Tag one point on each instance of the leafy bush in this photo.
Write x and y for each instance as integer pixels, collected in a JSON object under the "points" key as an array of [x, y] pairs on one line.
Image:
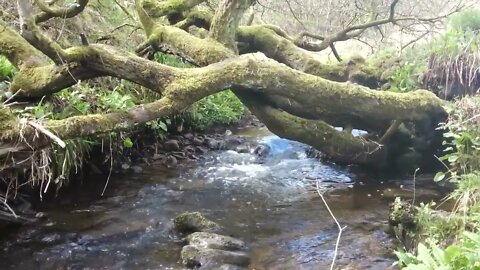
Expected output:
{"points": [[405, 77], [467, 20], [462, 137], [221, 108], [452, 240], [465, 255]]}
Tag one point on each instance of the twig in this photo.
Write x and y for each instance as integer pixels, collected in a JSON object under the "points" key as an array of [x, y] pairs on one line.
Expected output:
{"points": [[47, 133], [11, 97], [390, 131], [9, 208], [340, 228], [415, 185], [111, 168]]}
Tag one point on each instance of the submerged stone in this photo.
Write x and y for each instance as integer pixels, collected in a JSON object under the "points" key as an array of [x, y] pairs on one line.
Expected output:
{"points": [[215, 241], [229, 267], [171, 145], [194, 222], [136, 169], [197, 257]]}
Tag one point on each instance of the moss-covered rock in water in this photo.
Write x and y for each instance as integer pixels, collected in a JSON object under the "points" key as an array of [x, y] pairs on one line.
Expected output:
{"points": [[215, 241], [209, 258], [194, 222]]}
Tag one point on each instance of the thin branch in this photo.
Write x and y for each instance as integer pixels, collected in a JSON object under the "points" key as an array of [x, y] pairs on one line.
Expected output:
{"points": [[49, 11], [356, 30], [294, 14], [390, 131], [335, 53], [125, 10], [339, 227], [48, 133]]}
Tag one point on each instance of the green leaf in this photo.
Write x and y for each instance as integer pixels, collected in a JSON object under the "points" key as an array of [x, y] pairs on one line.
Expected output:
{"points": [[439, 177], [163, 126], [127, 143], [451, 253], [452, 158], [424, 256]]}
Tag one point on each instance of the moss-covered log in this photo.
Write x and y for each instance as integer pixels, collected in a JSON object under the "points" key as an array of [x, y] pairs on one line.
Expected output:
{"points": [[301, 98], [341, 147], [18, 51]]}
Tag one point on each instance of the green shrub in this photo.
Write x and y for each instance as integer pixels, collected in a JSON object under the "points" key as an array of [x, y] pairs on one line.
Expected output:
{"points": [[430, 256], [221, 108], [467, 20], [405, 77], [452, 240]]}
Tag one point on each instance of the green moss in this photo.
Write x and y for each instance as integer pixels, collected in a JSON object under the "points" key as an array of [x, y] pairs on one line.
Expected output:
{"points": [[32, 79], [194, 222], [8, 123], [16, 49]]}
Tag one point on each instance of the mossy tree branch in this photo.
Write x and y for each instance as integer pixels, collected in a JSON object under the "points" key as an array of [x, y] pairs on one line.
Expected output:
{"points": [[294, 90]]}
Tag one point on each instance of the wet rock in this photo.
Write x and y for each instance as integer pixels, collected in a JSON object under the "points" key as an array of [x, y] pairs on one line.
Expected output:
{"points": [[188, 136], [201, 149], [158, 157], [125, 166], [215, 241], [178, 155], [314, 153], [197, 141], [198, 257], [176, 137], [211, 143], [171, 145], [242, 149], [229, 267], [40, 215], [136, 169], [51, 238], [170, 161], [262, 150], [232, 142], [194, 222], [189, 149]]}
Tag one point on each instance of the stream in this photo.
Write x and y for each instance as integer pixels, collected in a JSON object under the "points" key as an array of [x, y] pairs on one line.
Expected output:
{"points": [[271, 203]]}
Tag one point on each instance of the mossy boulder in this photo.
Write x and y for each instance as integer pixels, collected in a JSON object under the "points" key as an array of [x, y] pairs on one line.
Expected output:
{"points": [[190, 222]]}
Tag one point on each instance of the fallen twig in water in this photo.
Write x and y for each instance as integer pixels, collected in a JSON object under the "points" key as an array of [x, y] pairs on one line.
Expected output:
{"points": [[340, 228]]}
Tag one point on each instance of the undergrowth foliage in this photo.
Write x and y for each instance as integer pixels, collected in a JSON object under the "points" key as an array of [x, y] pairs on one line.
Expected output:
{"points": [[441, 239], [448, 65], [55, 165], [451, 240]]}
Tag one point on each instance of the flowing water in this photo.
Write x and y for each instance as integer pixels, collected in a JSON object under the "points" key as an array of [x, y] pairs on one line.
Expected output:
{"points": [[271, 203]]}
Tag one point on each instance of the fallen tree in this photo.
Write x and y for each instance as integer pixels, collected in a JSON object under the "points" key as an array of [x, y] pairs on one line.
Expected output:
{"points": [[274, 75]]}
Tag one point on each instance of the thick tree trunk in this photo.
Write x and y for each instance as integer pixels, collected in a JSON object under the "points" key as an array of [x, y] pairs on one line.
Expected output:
{"points": [[225, 22]]}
